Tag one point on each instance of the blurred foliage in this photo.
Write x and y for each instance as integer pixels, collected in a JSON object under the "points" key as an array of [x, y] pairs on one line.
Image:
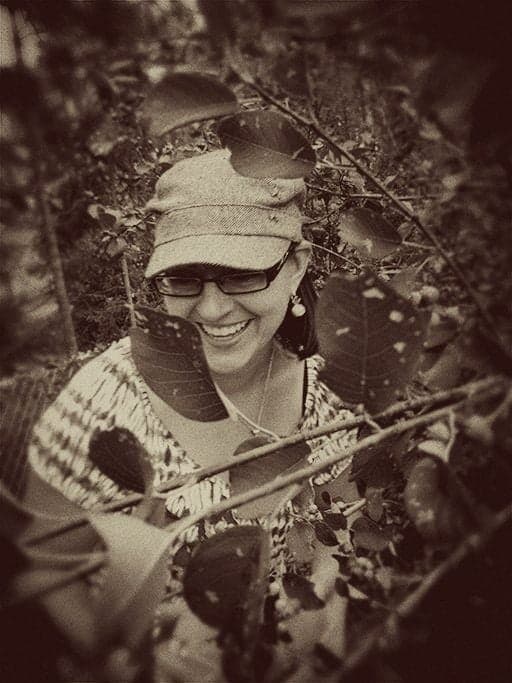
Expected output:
{"points": [[421, 95], [390, 82]]}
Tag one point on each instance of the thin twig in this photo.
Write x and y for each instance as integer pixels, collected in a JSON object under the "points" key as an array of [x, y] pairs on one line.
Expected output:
{"points": [[283, 481], [93, 563], [472, 544], [354, 507], [403, 198], [480, 388], [334, 253], [323, 217], [365, 172], [416, 245], [128, 289]]}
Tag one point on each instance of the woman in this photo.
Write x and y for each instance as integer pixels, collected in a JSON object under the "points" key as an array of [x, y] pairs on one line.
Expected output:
{"points": [[228, 257]]}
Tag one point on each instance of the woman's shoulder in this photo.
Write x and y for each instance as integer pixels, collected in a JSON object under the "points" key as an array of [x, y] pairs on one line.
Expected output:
{"points": [[319, 396], [114, 362], [100, 381]]}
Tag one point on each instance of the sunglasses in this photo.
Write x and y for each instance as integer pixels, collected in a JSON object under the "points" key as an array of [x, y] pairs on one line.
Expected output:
{"points": [[237, 283]]}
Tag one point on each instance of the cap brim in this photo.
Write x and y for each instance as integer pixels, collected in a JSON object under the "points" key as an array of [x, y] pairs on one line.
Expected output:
{"points": [[232, 251]]}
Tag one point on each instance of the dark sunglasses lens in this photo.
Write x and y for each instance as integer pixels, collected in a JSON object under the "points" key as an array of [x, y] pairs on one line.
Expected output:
{"points": [[179, 286], [244, 282]]}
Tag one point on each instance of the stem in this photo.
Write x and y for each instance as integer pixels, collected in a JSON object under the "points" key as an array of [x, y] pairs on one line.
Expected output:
{"points": [[248, 80], [128, 289], [283, 481], [472, 544], [55, 262], [480, 389], [334, 253], [93, 564], [47, 224]]}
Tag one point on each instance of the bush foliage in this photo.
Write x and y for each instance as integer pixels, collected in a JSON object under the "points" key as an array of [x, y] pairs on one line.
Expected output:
{"points": [[398, 114]]}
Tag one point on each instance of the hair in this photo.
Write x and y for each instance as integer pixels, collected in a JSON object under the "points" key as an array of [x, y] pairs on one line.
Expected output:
{"points": [[299, 334]]}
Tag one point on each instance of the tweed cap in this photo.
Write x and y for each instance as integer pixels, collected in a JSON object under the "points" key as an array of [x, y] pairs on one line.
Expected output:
{"points": [[212, 214]]}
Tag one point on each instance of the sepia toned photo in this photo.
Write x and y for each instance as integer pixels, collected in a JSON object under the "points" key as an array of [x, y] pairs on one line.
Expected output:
{"points": [[256, 341]]}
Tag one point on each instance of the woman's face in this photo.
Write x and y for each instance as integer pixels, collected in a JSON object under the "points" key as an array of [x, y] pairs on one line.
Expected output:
{"points": [[236, 328]]}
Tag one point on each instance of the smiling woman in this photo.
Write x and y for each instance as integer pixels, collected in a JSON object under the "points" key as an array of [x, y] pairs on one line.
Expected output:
{"points": [[229, 258]]}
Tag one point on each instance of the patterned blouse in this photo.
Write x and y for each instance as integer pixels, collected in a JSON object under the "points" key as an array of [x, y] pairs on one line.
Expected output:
{"points": [[109, 392]]}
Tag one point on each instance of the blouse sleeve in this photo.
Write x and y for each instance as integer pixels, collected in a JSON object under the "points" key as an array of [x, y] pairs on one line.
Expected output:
{"points": [[58, 452]]}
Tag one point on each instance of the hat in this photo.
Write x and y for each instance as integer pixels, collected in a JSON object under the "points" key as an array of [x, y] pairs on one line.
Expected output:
{"points": [[212, 214]]}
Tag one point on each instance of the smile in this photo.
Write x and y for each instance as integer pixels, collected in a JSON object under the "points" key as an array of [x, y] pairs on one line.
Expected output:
{"points": [[224, 331]]}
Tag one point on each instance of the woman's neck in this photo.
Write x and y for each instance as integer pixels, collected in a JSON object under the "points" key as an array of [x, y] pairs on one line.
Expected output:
{"points": [[249, 378]]}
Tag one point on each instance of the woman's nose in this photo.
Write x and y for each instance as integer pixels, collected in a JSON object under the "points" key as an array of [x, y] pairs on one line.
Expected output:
{"points": [[213, 304]]}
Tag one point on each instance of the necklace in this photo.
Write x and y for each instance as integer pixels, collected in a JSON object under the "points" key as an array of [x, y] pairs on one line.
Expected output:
{"points": [[236, 413]]}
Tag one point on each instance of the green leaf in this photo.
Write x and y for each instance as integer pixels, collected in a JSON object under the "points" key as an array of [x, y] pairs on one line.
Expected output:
{"points": [[370, 337], [119, 454], [179, 99], [369, 232], [167, 352], [135, 578], [367, 535], [434, 504], [374, 503], [301, 589], [335, 520], [438, 335], [105, 138], [404, 281], [300, 541], [325, 534], [49, 571], [439, 371], [374, 466], [264, 144], [258, 472], [221, 573]]}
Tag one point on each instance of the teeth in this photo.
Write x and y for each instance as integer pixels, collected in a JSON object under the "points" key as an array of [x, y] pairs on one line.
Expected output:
{"points": [[224, 330]]}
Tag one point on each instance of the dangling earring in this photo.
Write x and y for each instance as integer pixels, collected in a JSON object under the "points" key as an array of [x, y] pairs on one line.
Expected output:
{"points": [[298, 309]]}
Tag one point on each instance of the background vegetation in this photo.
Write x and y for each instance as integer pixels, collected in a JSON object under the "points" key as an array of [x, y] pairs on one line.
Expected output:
{"points": [[408, 108]]}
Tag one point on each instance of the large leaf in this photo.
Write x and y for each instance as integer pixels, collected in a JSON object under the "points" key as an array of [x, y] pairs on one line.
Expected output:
{"points": [[221, 574], [370, 337], [369, 232], [168, 354], [258, 472], [368, 535], [52, 571], [179, 99], [135, 580], [264, 144], [120, 455]]}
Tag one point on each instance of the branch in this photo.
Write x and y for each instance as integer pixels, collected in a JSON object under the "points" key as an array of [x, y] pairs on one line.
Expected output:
{"points": [[54, 257], [249, 80], [480, 389], [472, 544], [295, 480], [92, 564], [283, 481], [128, 289]]}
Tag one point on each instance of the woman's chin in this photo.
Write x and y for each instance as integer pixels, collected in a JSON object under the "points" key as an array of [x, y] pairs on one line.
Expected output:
{"points": [[225, 362]]}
